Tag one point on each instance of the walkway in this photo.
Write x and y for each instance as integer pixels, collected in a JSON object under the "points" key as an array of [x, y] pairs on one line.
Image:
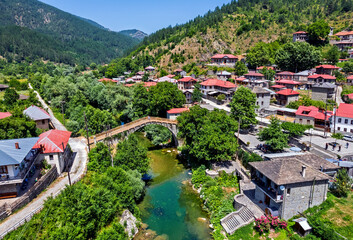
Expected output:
{"points": [[134, 126], [77, 171]]}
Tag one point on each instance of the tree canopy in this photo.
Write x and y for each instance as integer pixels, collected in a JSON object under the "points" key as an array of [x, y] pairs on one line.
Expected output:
{"points": [[243, 107], [274, 136]]}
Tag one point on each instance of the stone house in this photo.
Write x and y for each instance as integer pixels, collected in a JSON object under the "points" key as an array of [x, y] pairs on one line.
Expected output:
{"points": [[321, 78], [186, 85], [54, 148], [313, 116], [285, 75], [289, 84], [284, 97], [254, 76], [215, 87], [326, 69], [300, 36], [291, 185], [223, 75], [224, 59], [39, 115], [263, 97], [17, 157], [323, 91]]}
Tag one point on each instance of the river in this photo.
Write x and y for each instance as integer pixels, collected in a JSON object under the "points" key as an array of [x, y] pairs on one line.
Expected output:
{"points": [[171, 208]]}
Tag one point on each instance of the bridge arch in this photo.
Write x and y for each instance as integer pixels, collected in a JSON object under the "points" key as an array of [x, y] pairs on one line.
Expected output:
{"points": [[127, 129]]}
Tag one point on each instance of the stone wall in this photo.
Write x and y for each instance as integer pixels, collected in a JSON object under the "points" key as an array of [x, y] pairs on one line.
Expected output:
{"points": [[319, 94], [299, 198]]}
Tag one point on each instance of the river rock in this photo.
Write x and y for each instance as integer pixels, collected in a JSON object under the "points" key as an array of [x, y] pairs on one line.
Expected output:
{"points": [[130, 225], [211, 226], [200, 219]]}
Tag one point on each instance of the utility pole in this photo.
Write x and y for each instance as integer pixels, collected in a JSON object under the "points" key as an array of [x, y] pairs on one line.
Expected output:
{"points": [[67, 164], [325, 121], [89, 148]]}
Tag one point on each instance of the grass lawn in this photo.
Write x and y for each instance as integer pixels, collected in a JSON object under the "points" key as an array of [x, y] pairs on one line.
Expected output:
{"points": [[249, 233], [341, 216], [305, 93]]}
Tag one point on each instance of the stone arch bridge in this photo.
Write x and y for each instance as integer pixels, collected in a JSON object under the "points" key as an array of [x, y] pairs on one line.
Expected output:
{"points": [[127, 129]]}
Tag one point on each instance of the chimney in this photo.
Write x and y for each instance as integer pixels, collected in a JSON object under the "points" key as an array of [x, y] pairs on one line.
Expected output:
{"points": [[17, 146], [303, 171]]}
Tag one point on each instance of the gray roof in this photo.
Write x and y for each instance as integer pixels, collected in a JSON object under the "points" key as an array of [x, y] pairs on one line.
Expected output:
{"points": [[36, 113], [9, 155], [303, 73], [257, 89], [4, 86], [284, 171], [324, 85]]}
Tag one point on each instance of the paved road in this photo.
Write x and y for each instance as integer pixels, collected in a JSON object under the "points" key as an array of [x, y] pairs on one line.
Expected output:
{"points": [[338, 97], [79, 147]]}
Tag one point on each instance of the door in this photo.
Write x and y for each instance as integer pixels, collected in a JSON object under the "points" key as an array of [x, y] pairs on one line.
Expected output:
{"points": [[267, 200]]}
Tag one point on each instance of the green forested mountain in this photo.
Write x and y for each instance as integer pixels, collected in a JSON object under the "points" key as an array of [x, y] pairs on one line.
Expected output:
{"points": [[239, 25], [80, 40]]}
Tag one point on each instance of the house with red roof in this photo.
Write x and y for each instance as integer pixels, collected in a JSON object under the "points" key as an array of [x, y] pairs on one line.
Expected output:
{"points": [[344, 118], [174, 113], [252, 76], [290, 84], [300, 36], [150, 69], [186, 85], [215, 87], [278, 87], [5, 115], [224, 59], [107, 80], [321, 78], [313, 116], [350, 80], [54, 148], [180, 72], [326, 69], [284, 97], [242, 81], [39, 115], [285, 75], [345, 40]]}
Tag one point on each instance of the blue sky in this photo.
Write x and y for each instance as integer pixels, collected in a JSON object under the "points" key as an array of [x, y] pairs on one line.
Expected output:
{"points": [[148, 16]]}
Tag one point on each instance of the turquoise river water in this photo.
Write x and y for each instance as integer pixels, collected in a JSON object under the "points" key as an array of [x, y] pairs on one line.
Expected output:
{"points": [[171, 208]]}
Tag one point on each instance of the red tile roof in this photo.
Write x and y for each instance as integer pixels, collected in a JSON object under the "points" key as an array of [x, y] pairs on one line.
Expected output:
{"points": [[300, 32], [278, 86], [218, 83], [290, 82], [53, 141], [324, 76], [287, 92], [262, 67], [285, 73], [5, 115], [254, 74], [170, 75], [177, 110], [350, 77], [345, 110], [187, 79], [107, 80], [224, 55], [313, 112], [146, 84], [327, 67], [240, 79], [344, 33]]}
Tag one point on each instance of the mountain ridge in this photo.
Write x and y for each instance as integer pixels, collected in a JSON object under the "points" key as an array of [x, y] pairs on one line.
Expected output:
{"points": [[134, 33]]}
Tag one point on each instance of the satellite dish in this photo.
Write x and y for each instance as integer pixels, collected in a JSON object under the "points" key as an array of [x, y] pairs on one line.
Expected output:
{"points": [[282, 188]]}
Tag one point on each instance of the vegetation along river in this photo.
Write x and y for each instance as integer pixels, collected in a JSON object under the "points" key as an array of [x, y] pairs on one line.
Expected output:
{"points": [[171, 208]]}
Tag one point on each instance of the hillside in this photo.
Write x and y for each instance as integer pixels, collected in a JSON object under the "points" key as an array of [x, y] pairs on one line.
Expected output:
{"points": [[237, 26], [84, 41], [134, 33]]}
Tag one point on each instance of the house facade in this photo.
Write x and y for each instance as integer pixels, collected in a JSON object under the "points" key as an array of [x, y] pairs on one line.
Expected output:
{"points": [[54, 148], [323, 91], [326, 69], [321, 78], [186, 85], [215, 87], [263, 97], [300, 36], [289, 186], [313, 116], [285, 75], [17, 158], [345, 40], [343, 121], [289, 84], [174, 113], [39, 115], [254, 76], [224, 59], [284, 97]]}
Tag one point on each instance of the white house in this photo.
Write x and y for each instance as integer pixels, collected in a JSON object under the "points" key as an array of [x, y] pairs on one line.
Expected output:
{"points": [[343, 119], [174, 113], [54, 148]]}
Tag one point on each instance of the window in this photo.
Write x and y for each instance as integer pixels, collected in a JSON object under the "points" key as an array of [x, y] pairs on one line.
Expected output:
{"points": [[351, 130], [3, 169], [262, 103], [346, 121], [345, 129], [339, 129], [43, 121], [51, 157], [288, 191], [339, 120], [307, 121], [352, 122]]}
